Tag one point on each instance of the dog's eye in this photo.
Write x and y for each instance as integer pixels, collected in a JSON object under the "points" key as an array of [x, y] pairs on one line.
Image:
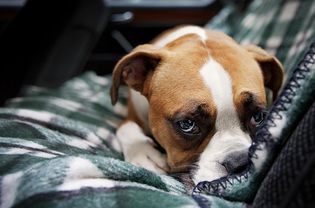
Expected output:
{"points": [[258, 118], [188, 126]]}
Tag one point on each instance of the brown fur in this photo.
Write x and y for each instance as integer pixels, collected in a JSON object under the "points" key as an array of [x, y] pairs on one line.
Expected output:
{"points": [[174, 79]]}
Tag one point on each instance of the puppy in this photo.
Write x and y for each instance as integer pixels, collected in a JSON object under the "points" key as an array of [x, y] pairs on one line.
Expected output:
{"points": [[200, 95]]}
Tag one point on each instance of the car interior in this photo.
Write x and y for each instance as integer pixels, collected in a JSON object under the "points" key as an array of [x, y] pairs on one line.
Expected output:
{"points": [[95, 43]]}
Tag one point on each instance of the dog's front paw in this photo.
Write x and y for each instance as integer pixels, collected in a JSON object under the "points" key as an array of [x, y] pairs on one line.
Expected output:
{"points": [[146, 156], [139, 149]]}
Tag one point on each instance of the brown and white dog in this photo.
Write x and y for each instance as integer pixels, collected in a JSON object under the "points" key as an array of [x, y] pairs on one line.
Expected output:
{"points": [[200, 94]]}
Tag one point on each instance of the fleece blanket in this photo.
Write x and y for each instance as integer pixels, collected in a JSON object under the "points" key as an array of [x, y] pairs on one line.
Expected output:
{"points": [[58, 149]]}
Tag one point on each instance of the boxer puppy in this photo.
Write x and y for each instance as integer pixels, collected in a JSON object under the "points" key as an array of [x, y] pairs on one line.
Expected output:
{"points": [[200, 95]]}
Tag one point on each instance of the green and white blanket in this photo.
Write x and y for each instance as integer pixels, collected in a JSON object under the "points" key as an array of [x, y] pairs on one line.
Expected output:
{"points": [[58, 147]]}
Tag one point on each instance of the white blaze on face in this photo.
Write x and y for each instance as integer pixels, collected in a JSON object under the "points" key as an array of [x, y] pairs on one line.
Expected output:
{"points": [[141, 104], [229, 137]]}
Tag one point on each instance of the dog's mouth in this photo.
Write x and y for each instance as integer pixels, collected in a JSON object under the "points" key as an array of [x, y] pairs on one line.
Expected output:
{"points": [[186, 176], [233, 162], [236, 162]]}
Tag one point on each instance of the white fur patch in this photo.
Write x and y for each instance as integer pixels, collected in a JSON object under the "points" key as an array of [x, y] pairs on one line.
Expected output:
{"points": [[120, 109], [229, 137], [219, 83], [138, 149], [181, 32], [141, 106]]}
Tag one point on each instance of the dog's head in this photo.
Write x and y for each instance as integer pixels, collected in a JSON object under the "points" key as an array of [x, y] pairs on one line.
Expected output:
{"points": [[206, 97]]}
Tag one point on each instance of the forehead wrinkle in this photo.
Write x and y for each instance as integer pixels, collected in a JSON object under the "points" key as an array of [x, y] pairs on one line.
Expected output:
{"points": [[243, 70], [179, 79], [248, 98], [193, 107]]}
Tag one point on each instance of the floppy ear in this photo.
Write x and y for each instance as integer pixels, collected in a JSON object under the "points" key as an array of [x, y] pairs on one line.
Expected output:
{"points": [[271, 68], [133, 69]]}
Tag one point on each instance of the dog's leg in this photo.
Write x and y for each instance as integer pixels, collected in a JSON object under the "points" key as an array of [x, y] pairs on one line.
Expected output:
{"points": [[139, 149]]}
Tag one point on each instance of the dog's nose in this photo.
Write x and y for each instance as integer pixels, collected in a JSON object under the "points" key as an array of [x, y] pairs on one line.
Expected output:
{"points": [[236, 162]]}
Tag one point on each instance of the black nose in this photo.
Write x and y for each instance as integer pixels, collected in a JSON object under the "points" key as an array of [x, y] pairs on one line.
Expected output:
{"points": [[236, 162]]}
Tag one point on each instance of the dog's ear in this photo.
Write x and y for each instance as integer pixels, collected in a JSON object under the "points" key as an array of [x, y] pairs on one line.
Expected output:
{"points": [[133, 68], [271, 68]]}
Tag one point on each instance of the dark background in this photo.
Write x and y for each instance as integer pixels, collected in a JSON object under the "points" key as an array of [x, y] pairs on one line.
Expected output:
{"points": [[45, 43]]}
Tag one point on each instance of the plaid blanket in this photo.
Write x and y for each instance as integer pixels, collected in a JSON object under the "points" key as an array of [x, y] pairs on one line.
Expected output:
{"points": [[58, 147], [282, 27]]}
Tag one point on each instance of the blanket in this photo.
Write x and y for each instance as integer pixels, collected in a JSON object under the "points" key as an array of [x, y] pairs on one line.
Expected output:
{"points": [[58, 148]]}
